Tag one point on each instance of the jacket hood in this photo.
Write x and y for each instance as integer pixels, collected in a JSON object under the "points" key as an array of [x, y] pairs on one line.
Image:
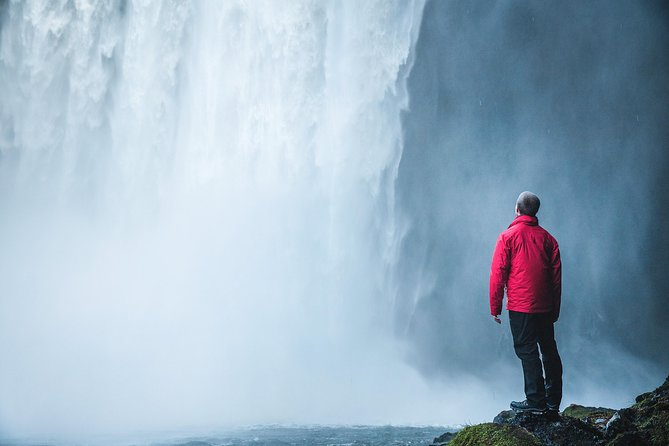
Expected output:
{"points": [[525, 219]]}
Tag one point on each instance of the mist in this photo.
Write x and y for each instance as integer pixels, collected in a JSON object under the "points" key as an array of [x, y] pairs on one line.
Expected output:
{"points": [[570, 101], [198, 216], [218, 214]]}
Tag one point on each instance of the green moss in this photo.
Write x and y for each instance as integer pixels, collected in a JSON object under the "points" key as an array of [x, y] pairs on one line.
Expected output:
{"points": [[580, 412], [595, 416], [651, 413], [627, 439], [658, 428], [489, 434]]}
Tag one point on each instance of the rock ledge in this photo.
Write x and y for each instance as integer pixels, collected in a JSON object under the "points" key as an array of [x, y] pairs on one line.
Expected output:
{"points": [[644, 423]]}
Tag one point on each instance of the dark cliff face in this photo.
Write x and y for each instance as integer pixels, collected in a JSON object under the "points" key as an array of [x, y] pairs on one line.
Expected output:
{"points": [[569, 101]]}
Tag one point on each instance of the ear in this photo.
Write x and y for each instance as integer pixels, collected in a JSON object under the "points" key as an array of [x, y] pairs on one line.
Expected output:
{"points": [[517, 211]]}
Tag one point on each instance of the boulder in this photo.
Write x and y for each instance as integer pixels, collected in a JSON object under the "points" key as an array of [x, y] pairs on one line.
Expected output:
{"points": [[443, 439], [494, 434], [595, 416], [552, 429]]}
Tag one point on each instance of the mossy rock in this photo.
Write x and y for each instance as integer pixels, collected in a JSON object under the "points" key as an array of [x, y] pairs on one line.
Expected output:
{"points": [[443, 438], [594, 416], [651, 413], [552, 429], [489, 434], [628, 439], [656, 427]]}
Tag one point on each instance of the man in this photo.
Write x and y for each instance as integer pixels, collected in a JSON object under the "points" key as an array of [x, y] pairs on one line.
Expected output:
{"points": [[526, 262]]}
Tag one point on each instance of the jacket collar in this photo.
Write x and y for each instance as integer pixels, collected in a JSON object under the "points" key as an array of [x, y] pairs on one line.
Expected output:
{"points": [[525, 219]]}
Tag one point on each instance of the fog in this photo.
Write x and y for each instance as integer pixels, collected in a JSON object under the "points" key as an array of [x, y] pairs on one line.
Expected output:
{"points": [[198, 216], [221, 214], [570, 101]]}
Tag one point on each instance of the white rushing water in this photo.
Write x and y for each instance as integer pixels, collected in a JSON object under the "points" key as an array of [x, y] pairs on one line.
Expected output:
{"points": [[198, 223]]}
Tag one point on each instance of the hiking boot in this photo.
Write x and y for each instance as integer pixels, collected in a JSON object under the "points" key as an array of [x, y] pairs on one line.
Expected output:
{"points": [[552, 407], [527, 407]]}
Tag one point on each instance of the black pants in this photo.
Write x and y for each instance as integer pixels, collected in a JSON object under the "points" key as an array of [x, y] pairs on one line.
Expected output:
{"points": [[530, 330]]}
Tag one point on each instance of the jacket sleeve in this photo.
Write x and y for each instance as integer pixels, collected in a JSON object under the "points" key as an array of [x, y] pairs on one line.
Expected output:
{"points": [[556, 280], [499, 273]]}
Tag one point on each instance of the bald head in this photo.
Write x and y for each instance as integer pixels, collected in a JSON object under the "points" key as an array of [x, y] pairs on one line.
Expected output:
{"points": [[528, 204]]}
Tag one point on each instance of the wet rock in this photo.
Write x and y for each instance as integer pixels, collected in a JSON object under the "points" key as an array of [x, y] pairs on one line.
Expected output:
{"points": [[619, 423], [552, 429], [628, 439], [443, 439], [650, 415], [645, 423], [595, 416]]}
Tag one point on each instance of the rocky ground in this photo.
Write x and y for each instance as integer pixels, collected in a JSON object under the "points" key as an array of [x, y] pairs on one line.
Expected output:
{"points": [[644, 423]]}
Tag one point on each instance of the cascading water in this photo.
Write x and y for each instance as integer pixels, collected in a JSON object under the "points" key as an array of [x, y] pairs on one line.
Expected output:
{"points": [[222, 213], [198, 214]]}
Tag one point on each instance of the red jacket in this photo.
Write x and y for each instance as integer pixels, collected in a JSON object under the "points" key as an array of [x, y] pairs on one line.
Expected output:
{"points": [[527, 262]]}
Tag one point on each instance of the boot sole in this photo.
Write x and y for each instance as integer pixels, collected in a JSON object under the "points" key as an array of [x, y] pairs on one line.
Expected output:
{"points": [[532, 411]]}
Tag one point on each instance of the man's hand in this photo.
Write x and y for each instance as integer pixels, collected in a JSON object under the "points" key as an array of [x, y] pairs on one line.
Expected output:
{"points": [[497, 319]]}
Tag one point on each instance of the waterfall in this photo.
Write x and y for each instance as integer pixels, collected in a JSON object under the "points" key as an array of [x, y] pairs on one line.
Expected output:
{"points": [[218, 213], [199, 221]]}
